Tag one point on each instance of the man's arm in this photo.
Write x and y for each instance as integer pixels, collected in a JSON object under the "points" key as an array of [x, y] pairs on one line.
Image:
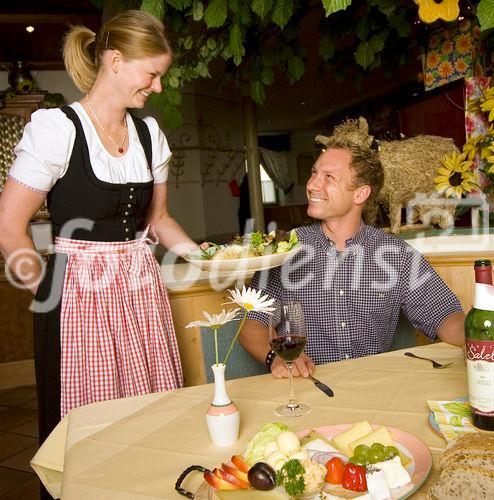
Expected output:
{"points": [[452, 329], [254, 338]]}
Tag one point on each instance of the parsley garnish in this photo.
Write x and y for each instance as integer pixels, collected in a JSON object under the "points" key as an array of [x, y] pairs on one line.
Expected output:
{"points": [[291, 477]]}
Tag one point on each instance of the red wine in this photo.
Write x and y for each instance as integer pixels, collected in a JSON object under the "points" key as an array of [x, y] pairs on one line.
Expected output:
{"points": [[288, 347]]}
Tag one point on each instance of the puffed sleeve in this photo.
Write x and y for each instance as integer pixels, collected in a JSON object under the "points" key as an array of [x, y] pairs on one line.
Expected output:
{"points": [[43, 153], [161, 151]]}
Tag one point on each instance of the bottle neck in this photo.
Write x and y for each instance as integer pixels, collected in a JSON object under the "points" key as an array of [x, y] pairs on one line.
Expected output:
{"points": [[483, 274], [484, 297]]}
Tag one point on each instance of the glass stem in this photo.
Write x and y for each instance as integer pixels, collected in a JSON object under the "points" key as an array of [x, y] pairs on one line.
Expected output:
{"points": [[292, 395]]}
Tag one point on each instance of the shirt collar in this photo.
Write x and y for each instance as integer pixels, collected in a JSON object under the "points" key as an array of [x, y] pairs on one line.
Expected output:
{"points": [[356, 239]]}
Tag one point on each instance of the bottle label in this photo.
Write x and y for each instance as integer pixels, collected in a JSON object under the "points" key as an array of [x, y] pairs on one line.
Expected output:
{"points": [[480, 368]]}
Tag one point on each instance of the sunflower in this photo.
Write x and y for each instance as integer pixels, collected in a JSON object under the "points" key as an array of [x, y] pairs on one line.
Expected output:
{"points": [[454, 176]]}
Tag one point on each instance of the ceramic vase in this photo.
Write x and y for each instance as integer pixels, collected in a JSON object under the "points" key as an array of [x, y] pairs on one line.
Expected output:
{"points": [[223, 417]]}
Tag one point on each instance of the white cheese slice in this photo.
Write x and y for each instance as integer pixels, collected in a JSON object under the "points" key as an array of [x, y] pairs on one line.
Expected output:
{"points": [[376, 484], [395, 474]]}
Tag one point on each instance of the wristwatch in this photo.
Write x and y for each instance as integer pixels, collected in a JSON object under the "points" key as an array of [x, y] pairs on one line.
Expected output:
{"points": [[269, 359]]}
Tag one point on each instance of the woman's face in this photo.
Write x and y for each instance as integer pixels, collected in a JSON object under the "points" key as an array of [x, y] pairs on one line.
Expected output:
{"points": [[139, 78]]}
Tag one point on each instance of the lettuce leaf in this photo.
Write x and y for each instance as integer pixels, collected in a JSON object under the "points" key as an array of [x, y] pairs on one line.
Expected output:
{"points": [[255, 447]]}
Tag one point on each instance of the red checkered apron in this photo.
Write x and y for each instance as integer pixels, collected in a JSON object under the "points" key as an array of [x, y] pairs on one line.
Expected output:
{"points": [[116, 330]]}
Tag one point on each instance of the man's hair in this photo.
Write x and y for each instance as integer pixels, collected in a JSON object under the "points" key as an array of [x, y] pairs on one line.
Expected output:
{"points": [[365, 163]]}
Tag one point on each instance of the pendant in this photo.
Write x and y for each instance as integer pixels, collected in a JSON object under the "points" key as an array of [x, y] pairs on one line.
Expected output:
{"points": [[120, 150]]}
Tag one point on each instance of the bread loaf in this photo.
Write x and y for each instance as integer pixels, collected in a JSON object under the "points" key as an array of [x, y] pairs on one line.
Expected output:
{"points": [[463, 482], [467, 469]]}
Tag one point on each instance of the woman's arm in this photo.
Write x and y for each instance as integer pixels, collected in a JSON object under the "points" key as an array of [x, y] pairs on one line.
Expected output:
{"points": [[169, 232], [18, 204]]}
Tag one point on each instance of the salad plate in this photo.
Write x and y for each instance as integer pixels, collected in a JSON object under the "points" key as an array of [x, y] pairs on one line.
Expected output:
{"points": [[419, 468], [244, 263]]}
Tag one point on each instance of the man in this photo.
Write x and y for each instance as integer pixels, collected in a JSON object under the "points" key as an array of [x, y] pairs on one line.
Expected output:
{"points": [[351, 279]]}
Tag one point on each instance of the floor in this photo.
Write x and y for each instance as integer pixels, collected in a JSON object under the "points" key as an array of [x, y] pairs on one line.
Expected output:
{"points": [[18, 443]]}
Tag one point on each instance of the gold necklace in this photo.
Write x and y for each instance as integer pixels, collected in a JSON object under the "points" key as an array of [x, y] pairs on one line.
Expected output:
{"points": [[120, 146]]}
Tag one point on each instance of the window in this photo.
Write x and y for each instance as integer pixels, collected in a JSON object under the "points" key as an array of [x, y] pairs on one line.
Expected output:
{"points": [[268, 188]]}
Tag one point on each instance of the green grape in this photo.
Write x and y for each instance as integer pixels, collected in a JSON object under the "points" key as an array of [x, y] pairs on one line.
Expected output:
{"points": [[357, 461], [361, 451], [390, 452], [375, 456], [377, 447]]}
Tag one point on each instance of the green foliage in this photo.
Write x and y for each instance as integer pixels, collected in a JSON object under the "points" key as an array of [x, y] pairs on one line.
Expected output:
{"points": [[215, 15], [332, 6], [485, 13], [249, 41]]}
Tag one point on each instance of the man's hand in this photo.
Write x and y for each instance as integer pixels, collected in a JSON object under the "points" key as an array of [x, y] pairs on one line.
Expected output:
{"points": [[303, 366]]}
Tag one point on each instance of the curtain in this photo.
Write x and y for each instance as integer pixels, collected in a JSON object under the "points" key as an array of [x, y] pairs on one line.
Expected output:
{"points": [[276, 165]]}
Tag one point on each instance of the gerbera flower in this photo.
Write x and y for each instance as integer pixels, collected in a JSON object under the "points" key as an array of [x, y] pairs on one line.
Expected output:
{"points": [[455, 177], [251, 300]]}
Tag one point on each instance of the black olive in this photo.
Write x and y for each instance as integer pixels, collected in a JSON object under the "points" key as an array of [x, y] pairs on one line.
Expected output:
{"points": [[262, 476]]}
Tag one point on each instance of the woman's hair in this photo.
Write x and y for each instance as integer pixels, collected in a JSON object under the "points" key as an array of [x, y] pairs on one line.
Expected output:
{"points": [[134, 33]]}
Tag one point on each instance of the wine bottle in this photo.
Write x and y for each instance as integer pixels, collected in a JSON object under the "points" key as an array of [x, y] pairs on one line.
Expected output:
{"points": [[479, 333]]}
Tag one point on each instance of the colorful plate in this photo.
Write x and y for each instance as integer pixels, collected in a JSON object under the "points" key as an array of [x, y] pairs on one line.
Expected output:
{"points": [[408, 444], [244, 264], [432, 421]]}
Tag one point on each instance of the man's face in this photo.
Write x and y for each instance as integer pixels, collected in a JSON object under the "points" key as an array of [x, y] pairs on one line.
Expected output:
{"points": [[330, 190]]}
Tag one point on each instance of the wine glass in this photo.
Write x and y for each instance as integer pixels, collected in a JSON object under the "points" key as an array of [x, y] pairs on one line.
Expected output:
{"points": [[288, 336]]}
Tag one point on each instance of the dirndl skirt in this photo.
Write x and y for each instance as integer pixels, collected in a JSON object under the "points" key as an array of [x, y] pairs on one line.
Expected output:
{"points": [[116, 331]]}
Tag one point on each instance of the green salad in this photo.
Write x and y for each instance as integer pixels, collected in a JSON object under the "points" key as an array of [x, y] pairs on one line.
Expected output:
{"points": [[251, 245]]}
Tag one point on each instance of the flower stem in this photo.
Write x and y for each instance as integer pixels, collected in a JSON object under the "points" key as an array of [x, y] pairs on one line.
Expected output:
{"points": [[216, 345], [236, 335]]}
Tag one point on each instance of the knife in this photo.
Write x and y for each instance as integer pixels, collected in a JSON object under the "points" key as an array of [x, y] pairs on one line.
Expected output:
{"points": [[323, 387]]}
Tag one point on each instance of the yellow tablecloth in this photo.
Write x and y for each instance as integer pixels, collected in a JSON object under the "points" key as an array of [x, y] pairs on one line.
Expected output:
{"points": [[136, 448]]}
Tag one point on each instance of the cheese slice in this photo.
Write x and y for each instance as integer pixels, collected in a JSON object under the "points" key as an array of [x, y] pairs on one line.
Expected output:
{"points": [[357, 431], [380, 435]]}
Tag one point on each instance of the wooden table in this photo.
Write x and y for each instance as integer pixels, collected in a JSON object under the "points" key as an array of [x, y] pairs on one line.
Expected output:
{"points": [[137, 447]]}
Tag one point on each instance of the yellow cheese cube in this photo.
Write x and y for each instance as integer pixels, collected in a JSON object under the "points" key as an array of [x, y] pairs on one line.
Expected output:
{"points": [[357, 431]]}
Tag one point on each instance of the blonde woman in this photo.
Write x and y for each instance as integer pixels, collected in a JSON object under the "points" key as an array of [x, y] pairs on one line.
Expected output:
{"points": [[103, 327]]}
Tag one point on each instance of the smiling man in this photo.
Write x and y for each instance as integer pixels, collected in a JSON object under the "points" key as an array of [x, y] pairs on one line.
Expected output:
{"points": [[351, 279]]}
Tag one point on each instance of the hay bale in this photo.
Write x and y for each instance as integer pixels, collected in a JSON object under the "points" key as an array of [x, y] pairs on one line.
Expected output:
{"points": [[409, 168]]}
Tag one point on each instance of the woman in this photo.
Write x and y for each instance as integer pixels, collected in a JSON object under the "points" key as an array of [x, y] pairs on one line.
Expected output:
{"points": [[102, 326]]}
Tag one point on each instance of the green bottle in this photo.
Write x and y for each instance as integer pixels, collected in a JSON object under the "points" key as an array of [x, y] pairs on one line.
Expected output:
{"points": [[479, 333]]}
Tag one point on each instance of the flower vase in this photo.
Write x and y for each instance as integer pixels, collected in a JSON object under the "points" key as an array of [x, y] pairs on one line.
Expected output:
{"points": [[223, 417]]}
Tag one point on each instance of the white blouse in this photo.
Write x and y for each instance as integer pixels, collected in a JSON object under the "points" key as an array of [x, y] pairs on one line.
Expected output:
{"points": [[43, 153]]}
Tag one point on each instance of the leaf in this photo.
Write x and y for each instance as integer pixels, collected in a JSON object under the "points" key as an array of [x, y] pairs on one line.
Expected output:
{"points": [[98, 3], [366, 51], [174, 82], [262, 7], [267, 76], [188, 43], [332, 6], [215, 15], [154, 7], [233, 4], [173, 96], [235, 45], [485, 13], [387, 7], [197, 10], [326, 47], [257, 92], [362, 28], [282, 12], [296, 67], [400, 24], [172, 118]]}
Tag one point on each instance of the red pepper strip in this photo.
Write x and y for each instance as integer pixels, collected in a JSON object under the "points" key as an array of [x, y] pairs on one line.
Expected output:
{"points": [[354, 478], [334, 469]]}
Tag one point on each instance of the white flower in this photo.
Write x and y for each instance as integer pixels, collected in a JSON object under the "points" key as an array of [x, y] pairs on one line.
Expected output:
{"points": [[215, 320], [251, 300]]}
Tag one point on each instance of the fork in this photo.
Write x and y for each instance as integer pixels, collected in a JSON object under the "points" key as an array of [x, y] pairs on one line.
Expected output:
{"points": [[435, 364]]}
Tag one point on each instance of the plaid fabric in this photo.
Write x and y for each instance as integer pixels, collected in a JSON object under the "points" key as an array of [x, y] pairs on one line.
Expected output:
{"points": [[117, 335], [352, 299]]}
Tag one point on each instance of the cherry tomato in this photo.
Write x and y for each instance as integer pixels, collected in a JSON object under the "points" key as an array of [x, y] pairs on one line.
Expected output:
{"points": [[335, 468]]}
